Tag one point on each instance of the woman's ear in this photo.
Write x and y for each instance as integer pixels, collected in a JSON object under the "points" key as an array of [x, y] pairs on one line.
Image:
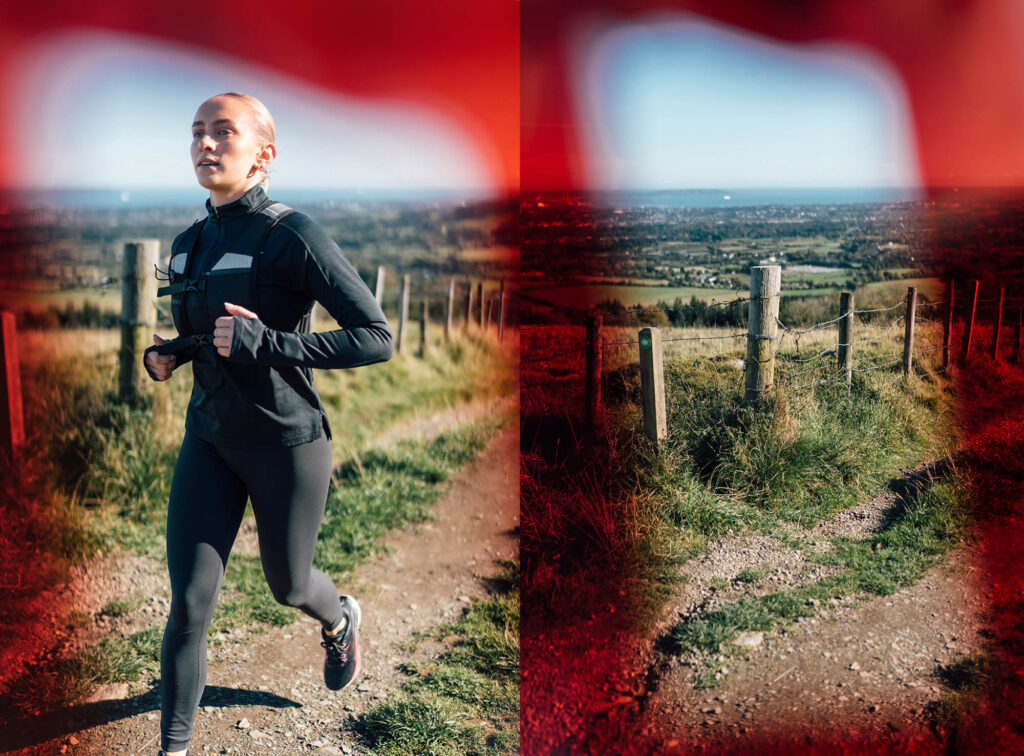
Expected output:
{"points": [[265, 157]]}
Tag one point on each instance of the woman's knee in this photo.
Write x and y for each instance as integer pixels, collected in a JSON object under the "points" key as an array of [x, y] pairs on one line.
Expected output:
{"points": [[192, 608], [289, 592]]}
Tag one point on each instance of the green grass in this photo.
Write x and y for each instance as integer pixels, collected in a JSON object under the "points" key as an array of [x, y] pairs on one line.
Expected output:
{"points": [[752, 575], [122, 606], [921, 527], [467, 702]]}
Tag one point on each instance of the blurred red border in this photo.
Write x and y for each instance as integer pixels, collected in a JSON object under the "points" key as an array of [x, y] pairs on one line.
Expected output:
{"points": [[461, 58]]}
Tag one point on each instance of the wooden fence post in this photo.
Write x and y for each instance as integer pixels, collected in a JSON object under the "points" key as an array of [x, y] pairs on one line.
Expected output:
{"points": [[908, 330], [480, 305], [996, 325], [487, 313], [501, 311], [403, 315], [469, 305], [13, 419], [947, 325], [138, 312], [965, 342], [1017, 335], [424, 321], [379, 292], [652, 385], [593, 371], [844, 347], [449, 310], [762, 329]]}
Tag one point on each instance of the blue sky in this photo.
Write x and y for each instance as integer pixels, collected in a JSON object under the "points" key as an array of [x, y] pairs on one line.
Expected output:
{"points": [[681, 103], [100, 109]]}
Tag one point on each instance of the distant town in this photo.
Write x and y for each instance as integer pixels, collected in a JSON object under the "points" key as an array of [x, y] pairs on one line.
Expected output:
{"points": [[51, 248]]}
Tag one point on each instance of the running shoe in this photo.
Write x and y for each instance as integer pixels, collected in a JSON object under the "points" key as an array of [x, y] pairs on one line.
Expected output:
{"points": [[341, 664]]}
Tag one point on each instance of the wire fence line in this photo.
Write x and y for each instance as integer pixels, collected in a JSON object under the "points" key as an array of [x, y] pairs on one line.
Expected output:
{"points": [[886, 347]]}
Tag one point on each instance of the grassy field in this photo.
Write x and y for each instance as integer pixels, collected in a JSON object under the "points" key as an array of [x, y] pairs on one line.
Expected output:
{"points": [[824, 284], [585, 296], [107, 298]]}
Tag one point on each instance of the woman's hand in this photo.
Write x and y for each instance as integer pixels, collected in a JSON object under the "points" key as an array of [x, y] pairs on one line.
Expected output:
{"points": [[225, 327], [160, 365]]}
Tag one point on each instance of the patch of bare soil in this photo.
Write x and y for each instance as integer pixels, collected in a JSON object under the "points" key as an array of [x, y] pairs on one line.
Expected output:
{"points": [[266, 694]]}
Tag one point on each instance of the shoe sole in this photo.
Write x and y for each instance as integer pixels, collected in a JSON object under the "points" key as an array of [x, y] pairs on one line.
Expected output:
{"points": [[355, 646]]}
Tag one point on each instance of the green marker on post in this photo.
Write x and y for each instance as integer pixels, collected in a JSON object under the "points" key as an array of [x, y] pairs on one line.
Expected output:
{"points": [[645, 342]]}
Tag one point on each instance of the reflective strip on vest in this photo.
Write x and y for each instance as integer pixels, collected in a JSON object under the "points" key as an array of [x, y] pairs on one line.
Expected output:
{"points": [[233, 261]]}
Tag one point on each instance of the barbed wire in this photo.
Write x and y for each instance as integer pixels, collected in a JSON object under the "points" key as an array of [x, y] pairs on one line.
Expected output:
{"points": [[879, 336], [790, 358], [791, 376], [817, 382], [877, 367], [874, 358], [901, 303], [801, 332], [872, 325]]}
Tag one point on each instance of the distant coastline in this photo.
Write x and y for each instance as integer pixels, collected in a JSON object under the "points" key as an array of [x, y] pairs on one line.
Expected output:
{"points": [[726, 197]]}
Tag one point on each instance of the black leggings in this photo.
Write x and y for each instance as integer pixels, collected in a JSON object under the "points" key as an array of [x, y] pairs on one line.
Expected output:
{"points": [[288, 490]]}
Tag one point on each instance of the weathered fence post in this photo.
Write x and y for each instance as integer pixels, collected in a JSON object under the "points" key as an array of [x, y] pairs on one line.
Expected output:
{"points": [[501, 311], [424, 322], [593, 371], [965, 342], [480, 305], [403, 315], [947, 325], [762, 329], [13, 418], [996, 325], [1017, 335], [379, 292], [844, 347], [487, 313], [652, 385], [449, 310], [908, 330], [469, 305], [138, 312]]}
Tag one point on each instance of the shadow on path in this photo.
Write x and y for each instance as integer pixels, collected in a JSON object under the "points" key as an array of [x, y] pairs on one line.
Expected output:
{"points": [[24, 733]]}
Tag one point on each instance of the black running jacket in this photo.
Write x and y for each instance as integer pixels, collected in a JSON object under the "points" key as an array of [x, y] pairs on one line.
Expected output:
{"points": [[275, 262]]}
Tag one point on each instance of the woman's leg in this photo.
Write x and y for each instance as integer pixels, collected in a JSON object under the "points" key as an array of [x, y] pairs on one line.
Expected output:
{"points": [[288, 490], [206, 507]]}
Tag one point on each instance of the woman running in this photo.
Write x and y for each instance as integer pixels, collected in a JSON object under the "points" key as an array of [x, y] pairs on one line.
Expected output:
{"points": [[242, 284]]}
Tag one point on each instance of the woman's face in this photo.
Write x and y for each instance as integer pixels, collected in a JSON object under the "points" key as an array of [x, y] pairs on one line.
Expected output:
{"points": [[226, 151]]}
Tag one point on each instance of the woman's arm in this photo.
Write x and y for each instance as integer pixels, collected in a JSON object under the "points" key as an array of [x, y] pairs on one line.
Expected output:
{"points": [[364, 337]]}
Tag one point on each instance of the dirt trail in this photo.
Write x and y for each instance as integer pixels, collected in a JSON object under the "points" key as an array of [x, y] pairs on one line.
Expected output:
{"points": [[266, 695], [864, 670]]}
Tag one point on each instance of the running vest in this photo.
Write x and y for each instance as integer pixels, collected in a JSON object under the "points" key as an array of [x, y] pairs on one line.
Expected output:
{"points": [[232, 278]]}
